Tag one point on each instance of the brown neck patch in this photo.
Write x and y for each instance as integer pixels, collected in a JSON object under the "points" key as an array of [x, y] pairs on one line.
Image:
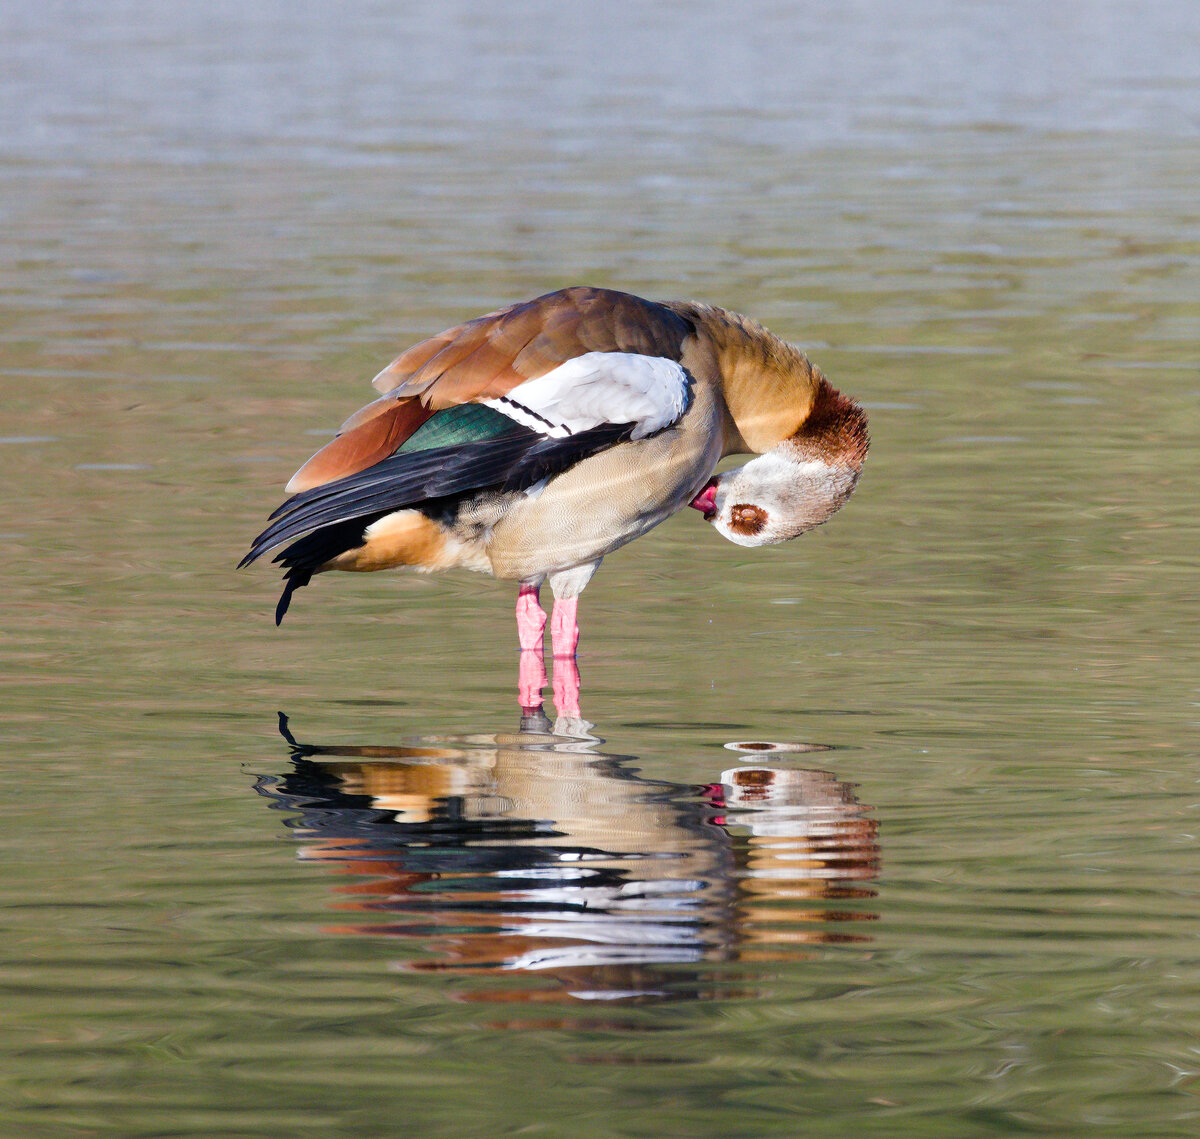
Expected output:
{"points": [[835, 431]]}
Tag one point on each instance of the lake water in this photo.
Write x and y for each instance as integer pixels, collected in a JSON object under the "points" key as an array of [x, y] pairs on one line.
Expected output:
{"points": [[957, 896]]}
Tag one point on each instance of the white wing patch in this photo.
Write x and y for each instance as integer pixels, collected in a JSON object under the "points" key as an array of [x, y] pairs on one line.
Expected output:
{"points": [[600, 387]]}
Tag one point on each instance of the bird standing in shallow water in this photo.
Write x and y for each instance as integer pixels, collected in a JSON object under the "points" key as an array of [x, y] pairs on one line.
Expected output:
{"points": [[531, 442]]}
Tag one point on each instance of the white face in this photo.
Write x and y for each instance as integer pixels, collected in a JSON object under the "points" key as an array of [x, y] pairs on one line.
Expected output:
{"points": [[776, 497]]}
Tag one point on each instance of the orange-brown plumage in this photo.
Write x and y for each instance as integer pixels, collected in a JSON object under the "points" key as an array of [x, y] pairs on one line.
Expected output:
{"points": [[370, 438], [406, 538], [486, 358], [489, 356]]}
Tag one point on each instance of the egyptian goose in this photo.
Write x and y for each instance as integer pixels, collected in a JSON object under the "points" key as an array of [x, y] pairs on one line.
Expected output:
{"points": [[531, 442]]}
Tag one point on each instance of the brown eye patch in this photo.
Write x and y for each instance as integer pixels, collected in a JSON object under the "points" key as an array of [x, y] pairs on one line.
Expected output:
{"points": [[747, 519]]}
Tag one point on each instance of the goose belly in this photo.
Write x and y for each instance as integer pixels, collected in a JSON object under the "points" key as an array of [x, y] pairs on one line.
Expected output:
{"points": [[607, 500]]}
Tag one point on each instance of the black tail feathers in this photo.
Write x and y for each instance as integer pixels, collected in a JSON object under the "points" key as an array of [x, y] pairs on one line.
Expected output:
{"points": [[316, 522], [304, 558], [293, 580]]}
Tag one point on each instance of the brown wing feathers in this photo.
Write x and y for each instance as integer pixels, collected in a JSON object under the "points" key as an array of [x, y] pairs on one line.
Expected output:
{"points": [[365, 443], [490, 356], [486, 358]]}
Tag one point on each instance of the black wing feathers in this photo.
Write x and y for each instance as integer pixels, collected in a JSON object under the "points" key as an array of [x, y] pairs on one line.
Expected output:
{"points": [[510, 462], [397, 481], [303, 558]]}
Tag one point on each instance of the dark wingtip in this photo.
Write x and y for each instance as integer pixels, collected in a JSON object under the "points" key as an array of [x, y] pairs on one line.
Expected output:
{"points": [[292, 582]]}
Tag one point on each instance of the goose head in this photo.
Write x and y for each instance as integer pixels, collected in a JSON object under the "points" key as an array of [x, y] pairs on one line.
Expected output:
{"points": [[798, 484]]}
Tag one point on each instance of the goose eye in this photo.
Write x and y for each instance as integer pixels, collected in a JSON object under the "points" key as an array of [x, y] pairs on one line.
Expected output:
{"points": [[746, 518]]}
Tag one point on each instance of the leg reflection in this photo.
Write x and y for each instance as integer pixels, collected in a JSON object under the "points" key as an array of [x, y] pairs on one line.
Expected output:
{"points": [[567, 691], [531, 679]]}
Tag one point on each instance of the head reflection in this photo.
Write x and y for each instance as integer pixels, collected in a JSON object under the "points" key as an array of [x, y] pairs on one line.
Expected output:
{"points": [[531, 853]]}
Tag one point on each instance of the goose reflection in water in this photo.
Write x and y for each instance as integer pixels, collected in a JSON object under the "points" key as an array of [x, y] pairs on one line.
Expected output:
{"points": [[534, 853]]}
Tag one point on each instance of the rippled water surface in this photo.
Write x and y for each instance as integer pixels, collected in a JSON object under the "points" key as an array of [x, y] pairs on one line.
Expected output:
{"points": [[957, 895]]}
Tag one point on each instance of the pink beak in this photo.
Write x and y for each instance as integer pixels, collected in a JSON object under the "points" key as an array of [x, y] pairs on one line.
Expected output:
{"points": [[706, 501]]}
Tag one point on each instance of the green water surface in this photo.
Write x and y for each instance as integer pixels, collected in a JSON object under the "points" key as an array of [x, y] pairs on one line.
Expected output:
{"points": [[962, 902]]}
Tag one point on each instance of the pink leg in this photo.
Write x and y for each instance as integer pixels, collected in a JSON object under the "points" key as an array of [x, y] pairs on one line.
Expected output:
{"points": [[531, 626], [531, 619], [564, 633], [564, 629], [567, 686]]}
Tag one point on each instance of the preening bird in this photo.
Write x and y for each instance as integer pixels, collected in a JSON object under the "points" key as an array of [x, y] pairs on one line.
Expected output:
{"points": [[531, 442]]}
